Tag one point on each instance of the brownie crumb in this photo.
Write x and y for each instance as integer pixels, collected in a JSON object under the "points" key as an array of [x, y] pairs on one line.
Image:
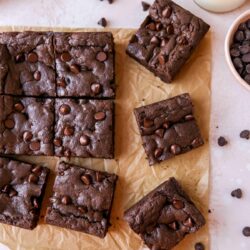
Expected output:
{"points": [[222, 141], [237, 193], [145, 6], [199, 246], [102, 22], [245, 134], [246, 231]]}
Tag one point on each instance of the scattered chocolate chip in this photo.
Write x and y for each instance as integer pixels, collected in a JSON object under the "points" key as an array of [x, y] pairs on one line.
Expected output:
{"points": [[32, 57], [101, 56], [96, 88], [197, 142], [158, 26], [68, 130], [20, 58], [65, 57], [199, 246], [245, 134], [85, 179], [32, 178], [246, 231], [222, 141], [167, 12], [58, 142], [74, 68], [158, 152], [145, 6], [9, 123], [154, 40], [175, 149], [99, 116], [147, 123], [36, 170], [37, 75], [102, 22], [160, 132], [66, 200], [19, 107], [189, 117], [177, 204], [27, 136], [237, 193], [61, 83], [35, 146], [188, 222], [84, 140], [64, 109]]}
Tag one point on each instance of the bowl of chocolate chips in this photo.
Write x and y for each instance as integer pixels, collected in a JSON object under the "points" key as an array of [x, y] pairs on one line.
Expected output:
{"points": [[237, 49]]}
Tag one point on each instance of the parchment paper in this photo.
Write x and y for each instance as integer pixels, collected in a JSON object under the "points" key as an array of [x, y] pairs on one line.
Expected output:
{"points": [[136, 86]]}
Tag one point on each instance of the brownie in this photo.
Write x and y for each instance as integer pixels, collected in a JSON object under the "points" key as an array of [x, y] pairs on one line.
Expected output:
{"points": [[27, 64], [85, 64], [82, 199], [21, 192], [168, 128], [166, 39], [26, 125], [164, 216], [84, 128]]}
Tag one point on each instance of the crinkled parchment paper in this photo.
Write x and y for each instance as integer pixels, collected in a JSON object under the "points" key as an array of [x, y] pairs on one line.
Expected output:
{"points": [[135, 87]]}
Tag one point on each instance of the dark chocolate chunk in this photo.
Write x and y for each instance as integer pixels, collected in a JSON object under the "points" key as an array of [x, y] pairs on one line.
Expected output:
{"points": [[145, 6], [245, 134], [237, 193], [102, 22], [246, 231], [222, 141]]}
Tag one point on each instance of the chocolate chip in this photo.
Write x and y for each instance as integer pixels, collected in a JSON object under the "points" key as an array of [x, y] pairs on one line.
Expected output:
{"points": [[96, 88], [234, 52], [158, 152], [98, 176], [246, 58], [175, 149], [160, 132], [84, 140], [101, 56], [27, 136], [20, 58], [199, 246], [12, 193], [246, 231], [244, 49], [222, 141], [158, 26], [161, 59], [68, 130], [66, 200], [33, 178], [32, 57], [65, 57], [19, 107], [102, 22], [189, 117], [61, 83], [36, 170], [35, 203], [35, 146], [237, 193], [197, 142], [237, 63], [173, 225], [9, 123], [99, 116], [145, 6], [239, 36], [177, 204], [57, 142], [188, 222], [151, 26], [170, 29], [74, 68], [154, 40], [245, 134], [247, 78], [166, 125], [167, 12], [64, 109], [85, 179], [147, 123], [248, 68], [37, 75]]}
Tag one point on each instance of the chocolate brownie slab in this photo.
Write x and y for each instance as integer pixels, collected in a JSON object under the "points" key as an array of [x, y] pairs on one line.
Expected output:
{"points": [[168, 128], [85, 64], [166, 39], [21, 192], [164, 216], [27, 64], [82, 199], [26, 126], [84, 128]]}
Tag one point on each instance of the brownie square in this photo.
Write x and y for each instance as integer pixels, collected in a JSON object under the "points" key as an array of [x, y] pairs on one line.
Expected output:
{"points": [[26, 125], [27, 64], [84, 128], [85, 64], [168, 128], [166, 39], [21, 192], [82, 199], [164, 216]]}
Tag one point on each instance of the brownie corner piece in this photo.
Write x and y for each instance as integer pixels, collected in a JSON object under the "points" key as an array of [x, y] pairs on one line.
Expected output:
{"points": [[168, 128], [26, 126], [82, 199], [164, 216], [22, 188], [166, 39], [27, 63], [84, 128], [85, 64]]}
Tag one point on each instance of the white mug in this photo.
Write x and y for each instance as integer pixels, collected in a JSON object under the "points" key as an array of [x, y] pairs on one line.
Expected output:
{"points": [[219, 5]]}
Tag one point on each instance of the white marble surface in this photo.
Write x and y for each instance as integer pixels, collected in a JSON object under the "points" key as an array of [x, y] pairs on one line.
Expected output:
{"points": [[230, 166]]}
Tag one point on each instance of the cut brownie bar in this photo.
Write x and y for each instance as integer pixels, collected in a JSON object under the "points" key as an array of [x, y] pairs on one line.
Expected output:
{"points": [[168, 128], [84, 128], [166, 39], [26, 125], [21, 192], [27, 64], [85, 64], [164, 216], [82, 199]]}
